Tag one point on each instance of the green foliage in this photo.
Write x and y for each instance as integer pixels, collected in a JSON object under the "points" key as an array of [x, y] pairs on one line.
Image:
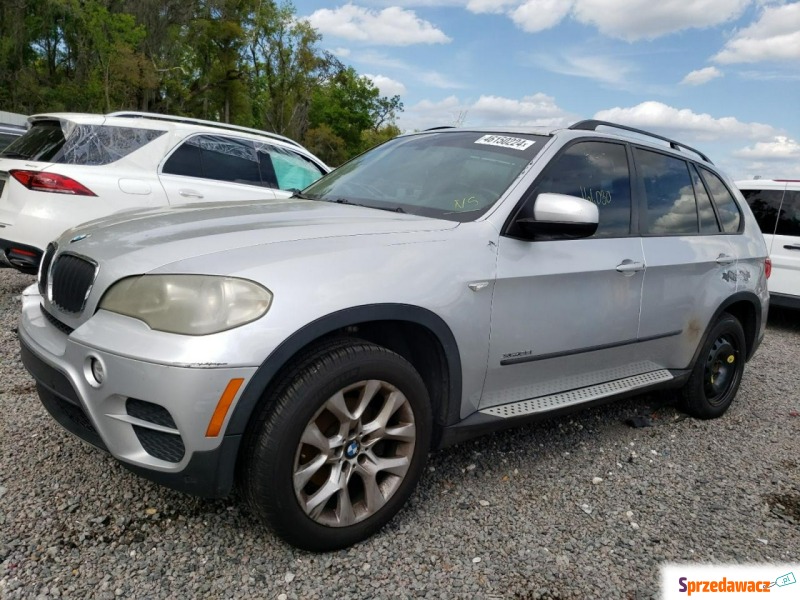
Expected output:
{"points": [[374, 137], [323, 142], [351, 105], [249, 62]]}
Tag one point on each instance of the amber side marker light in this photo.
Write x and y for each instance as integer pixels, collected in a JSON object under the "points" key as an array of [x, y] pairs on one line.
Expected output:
{"points": [[218, 418]]}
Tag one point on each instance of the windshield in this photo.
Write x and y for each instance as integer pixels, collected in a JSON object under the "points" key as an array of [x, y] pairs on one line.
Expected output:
{"points": [[454, 175]]}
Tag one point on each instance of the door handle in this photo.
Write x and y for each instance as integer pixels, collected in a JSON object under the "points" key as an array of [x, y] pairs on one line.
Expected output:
{"points": [[190, 194], [792, 246], [629, 267], [725, 259]]}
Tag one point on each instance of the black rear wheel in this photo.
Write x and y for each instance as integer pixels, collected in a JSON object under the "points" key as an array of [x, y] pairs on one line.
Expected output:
{"points": [[717, 374]]}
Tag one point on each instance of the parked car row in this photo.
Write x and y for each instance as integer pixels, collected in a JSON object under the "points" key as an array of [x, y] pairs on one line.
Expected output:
{"points": [[70, 168], [313, 349], [109, 164]]}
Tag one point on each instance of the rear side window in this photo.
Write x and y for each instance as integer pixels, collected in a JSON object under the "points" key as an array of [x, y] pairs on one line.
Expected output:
{"points": [[705, 210], [227, 159], [765, 205], [241, 161], [186, 160], [598, 172], [789, 219], [727, 209], [76, 144], [671, 205]]}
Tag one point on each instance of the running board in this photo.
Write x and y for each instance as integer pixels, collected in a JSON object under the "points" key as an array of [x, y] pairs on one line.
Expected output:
{"points": [[579, 396]]}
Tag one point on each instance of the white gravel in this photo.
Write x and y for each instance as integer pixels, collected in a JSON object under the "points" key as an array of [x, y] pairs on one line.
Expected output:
{"points": [[577, 507]]}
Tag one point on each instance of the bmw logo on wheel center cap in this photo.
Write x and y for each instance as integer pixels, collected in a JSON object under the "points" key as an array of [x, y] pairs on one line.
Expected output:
{"points": [[351, 450]]}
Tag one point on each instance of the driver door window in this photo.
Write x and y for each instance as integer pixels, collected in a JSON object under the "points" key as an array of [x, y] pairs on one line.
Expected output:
{"points": [[598, 172]]}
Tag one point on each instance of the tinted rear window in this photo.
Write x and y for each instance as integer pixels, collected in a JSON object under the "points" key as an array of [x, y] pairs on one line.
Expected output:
{"points": [[40, 142], [789, 220], [727, 209], [765, 205], [671, 205], [49, 141]]}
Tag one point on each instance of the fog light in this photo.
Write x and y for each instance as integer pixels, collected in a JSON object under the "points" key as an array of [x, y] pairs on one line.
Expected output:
{"points": [[94, 371]]}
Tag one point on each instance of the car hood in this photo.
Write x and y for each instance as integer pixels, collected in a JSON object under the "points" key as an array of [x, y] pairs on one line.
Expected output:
{"points": [[160, 236]]}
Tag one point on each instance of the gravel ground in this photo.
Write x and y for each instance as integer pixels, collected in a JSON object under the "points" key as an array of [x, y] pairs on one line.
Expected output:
{"points": [[519, 514]]}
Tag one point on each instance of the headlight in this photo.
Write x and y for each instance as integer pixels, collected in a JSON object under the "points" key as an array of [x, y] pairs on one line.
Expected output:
{"points": [[188, 304]]}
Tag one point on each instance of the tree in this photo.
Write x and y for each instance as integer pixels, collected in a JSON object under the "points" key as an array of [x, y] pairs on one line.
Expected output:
{"points": [[350, 104], [286, 67], [249, 62]]}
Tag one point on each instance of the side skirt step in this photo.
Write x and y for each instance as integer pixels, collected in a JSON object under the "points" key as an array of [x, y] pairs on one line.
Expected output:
{"points": [[588, 394]]}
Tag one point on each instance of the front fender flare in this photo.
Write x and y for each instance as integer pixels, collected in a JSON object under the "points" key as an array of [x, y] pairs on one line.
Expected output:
{"points": [[327, 324]]}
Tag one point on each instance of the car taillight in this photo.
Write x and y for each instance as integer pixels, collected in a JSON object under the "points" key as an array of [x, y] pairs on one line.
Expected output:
{"points": [[41, 181], [767, 267]]}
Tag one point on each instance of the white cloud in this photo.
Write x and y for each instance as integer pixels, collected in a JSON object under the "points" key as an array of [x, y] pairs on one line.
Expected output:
{"points": [[701, 76], [533, 110], [489, 6], [780, 148], [775, 36], [387, 86], [600, 68], [538, 15], [625, 19], [392, 26], [644, 19], [538, 109], [341, 52], [684, 123], [436, 79], [778, 158], [431, 78], [379, 59]]}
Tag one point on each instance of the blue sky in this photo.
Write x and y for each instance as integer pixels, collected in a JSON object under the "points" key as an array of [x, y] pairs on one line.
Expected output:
{"points": [[721, 75]]}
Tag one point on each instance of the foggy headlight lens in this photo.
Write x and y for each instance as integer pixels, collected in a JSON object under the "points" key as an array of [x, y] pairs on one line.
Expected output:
{"points": [[188, 304]]}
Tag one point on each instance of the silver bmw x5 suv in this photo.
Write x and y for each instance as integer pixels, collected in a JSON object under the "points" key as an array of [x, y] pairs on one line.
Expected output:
{"points": [[444, 284]]}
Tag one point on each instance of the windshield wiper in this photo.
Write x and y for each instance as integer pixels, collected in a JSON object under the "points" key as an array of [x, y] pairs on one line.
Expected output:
{"points": [[395, 209], [13, 155], [350, 202]]}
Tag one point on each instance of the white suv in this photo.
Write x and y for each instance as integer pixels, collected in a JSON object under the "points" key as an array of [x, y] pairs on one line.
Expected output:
{"points": [[776, 205], [69, 168]]}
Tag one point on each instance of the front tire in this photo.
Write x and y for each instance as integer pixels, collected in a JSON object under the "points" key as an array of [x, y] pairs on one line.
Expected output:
{"points": [[718, 371], [341, 447]]}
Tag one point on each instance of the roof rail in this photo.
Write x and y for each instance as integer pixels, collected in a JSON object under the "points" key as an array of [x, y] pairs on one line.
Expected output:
{"points": [[593, 124], [189, 120], [440, 127]]}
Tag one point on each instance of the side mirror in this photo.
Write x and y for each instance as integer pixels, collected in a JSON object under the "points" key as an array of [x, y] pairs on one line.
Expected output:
{"points": [[558, 217]]}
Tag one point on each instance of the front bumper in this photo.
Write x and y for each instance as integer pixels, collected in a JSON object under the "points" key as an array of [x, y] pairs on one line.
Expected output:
{"points": [[153, 418]]}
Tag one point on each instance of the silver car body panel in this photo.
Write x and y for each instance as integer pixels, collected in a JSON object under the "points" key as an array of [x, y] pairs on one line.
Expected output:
{"points": [[529, 319]]}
